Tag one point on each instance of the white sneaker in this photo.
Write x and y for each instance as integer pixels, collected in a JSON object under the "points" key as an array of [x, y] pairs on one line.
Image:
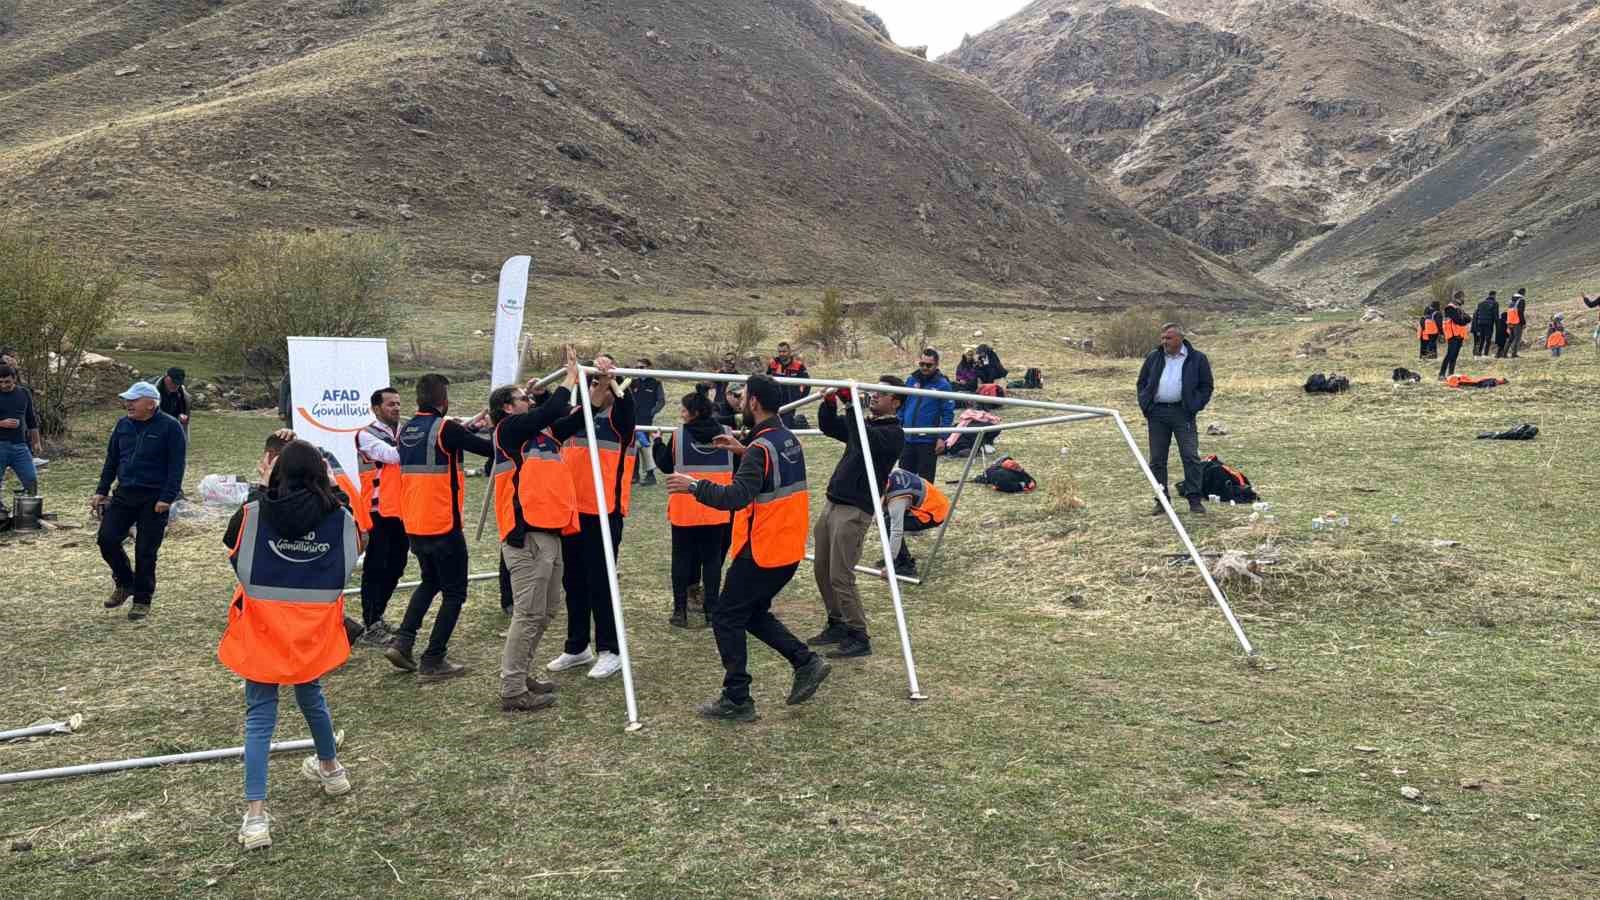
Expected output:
{"points": [[332, 784], [609, 665], [571, 660], [40, 463], [256, 832]]}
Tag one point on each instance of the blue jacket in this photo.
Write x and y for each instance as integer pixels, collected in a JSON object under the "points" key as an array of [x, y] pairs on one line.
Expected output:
{"points": [[1196, 380], [926, 412], [146, 455]]}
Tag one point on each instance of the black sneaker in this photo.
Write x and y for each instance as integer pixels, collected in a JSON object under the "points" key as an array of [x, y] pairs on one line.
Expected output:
{"points": [[138, 611], [1196, 507], [1158, 510], [353, 630], [117, 598], [443, 670], [649, 480], [833, 634], [807, 679], [726, 710], [679, 619], [854, 645], [400, 654], [527, 701]]}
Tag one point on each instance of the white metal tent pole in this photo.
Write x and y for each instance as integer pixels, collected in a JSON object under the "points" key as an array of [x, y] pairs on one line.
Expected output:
{"points": [[868, 570], [803, 401], [603, 498], [1006, 426], [65, 726], [883, 541], [486, 576], [1172, 515], [147, 762]]}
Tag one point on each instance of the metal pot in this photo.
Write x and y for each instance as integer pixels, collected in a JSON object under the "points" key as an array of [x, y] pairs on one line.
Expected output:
{"points": [[25, 513]]}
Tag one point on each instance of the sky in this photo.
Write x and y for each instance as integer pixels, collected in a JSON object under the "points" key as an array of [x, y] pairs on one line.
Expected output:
{"points": [[939, 23]]}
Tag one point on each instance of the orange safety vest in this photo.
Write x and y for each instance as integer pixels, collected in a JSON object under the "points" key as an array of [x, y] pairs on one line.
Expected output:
{"points": [[341, 480], [286, 621], [374, 475], [1514, 313], [433, 488], [706, 463], [1453, 331], [1555, 339], [929, 505], [775, 525], [1428, 328], [532, 481], [616, 468]]}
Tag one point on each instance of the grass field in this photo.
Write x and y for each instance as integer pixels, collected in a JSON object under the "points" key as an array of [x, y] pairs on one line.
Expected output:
{"points": [[1092, 729]]}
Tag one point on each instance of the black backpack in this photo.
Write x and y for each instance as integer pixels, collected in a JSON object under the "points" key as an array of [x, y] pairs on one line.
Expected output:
{"points": [[1008, 477], [1220, 480], [1327, 384]]}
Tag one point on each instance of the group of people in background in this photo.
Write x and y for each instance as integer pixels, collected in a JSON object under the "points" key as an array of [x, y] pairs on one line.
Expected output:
{"points": [[1489, 325]]}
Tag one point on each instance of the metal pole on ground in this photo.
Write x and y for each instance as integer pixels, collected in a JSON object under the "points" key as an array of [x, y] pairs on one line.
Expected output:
{"points": [[610, 557], [883, 541], [868, 570], [148, 762], [1183, 535], [65, 726]]}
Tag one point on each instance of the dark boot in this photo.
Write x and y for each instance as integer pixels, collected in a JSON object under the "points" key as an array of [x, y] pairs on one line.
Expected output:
{"points": [[527, 701], [807, 679], [680, 616], [833, 634], [138, 610], [855, 643], [439, 670], [118, 597], [399, 653], [726, 710], [1195, 506]]}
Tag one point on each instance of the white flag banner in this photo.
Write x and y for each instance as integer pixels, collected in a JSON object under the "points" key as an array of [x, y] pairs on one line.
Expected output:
{"points": [[508, 321], [332, 380]]}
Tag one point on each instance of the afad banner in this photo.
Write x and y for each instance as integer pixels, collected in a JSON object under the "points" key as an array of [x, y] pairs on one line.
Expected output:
{"points": [[508, 321], [331, 382]]}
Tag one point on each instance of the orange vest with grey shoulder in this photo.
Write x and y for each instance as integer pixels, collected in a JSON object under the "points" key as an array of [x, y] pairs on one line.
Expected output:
{"points": [[929, 505], [532, 481], [776, 524], [616, 468], [433, 488], [342, 480], [706, 463]]}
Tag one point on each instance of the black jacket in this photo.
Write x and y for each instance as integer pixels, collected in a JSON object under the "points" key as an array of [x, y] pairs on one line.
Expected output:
{"points": [[1483, 318], [1197, 384], [648, 398], [848, 485]]}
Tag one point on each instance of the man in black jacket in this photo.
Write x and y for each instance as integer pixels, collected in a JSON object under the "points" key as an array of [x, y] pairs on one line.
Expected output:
{"points": [[1174, 385], [145, 457], [648, 399], [838, 533], [1483, 320]]}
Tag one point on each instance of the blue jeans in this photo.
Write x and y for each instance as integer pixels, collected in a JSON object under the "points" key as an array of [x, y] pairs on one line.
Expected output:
{"points": [[261, 718], [19, 456]]}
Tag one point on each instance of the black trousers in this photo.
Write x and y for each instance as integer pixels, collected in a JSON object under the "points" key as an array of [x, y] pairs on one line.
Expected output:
{"points": [[745, 607], [919, 458], [1514, 339], [697, 555], [1481, 341], [388, 548], [1452, 350], [443, 560], [1167, 421], [127, 508], [583, 579]]}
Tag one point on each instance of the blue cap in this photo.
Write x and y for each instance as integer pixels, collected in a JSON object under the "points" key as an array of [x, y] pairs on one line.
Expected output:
{"points": [[141, 390]]}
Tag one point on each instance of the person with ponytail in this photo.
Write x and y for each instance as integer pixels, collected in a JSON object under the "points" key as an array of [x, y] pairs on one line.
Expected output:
{"points": [[292, 550], [700, 534]]}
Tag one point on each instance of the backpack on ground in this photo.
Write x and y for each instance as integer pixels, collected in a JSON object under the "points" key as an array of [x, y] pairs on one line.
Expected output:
{"points": [[1527, 431], [1220, 480], [1403, 374], [1008, 477], [1032, 380], [1327, 384]]}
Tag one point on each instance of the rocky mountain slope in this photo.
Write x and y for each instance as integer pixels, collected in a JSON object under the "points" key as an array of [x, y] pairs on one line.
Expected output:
{"points": [[685, 142], [1341, 147]]}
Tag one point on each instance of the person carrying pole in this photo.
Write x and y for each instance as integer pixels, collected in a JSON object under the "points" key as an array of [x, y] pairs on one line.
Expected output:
{"points": [[292, 550], [1455, 331], [838, 534], [388, 548], [771, 505], [433, 495], [700, 533], [584, 566], [535, 504], [911, 503]]}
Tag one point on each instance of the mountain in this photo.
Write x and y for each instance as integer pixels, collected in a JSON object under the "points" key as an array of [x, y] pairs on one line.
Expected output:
{"points": [[1340, 147], [679, 143]]}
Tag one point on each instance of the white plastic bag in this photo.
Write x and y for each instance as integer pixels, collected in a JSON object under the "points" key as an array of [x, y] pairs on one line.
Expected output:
{"points": [[223, 490]]}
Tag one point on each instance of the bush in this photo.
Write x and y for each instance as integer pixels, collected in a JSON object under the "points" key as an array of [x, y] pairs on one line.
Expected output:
{"points": [[350, 9], [927, 325], [1131, 334], [896, 320], [273, 285], [748, 335], [1442, 288], [826, 329], [52, 307]]}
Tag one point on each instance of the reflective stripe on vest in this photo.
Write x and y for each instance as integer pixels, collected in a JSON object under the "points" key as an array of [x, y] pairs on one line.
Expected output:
{"points": [[616, 468], [286, 622], [535, 484], [375, 476], [775, 525], [706, 463], [426, 487]]}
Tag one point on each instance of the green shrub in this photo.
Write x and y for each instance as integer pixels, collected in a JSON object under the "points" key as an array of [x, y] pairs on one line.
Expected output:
{"points": [[826, 329], [52, 308], [1442, 288], [1130, 334], [265, 288], [748, 335]]}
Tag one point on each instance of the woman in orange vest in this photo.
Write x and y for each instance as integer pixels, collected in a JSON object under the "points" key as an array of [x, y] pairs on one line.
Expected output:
{"points": [[1457, 325], [700, 534], [1428, 331], [292, 551], [1555, 336], [912, 504]]}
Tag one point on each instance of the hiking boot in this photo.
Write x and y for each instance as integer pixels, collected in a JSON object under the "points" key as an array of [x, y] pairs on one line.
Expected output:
{"points": [[726, 710], [697, 599], [1196, 507], [855, 644], [833, 634], [807, 679], [571, 660], [527, 701], [399, 653], [649, 480], [118, 597], [679, 618], [541, 687], [353, 630], [333, 783], [256, 832], [377, 635], [1158, 510], [441, 670], [138, 610]]}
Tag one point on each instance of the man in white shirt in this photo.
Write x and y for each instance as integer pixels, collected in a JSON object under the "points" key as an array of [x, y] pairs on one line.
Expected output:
{"points": [[377, 448], [1174, 385]]}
